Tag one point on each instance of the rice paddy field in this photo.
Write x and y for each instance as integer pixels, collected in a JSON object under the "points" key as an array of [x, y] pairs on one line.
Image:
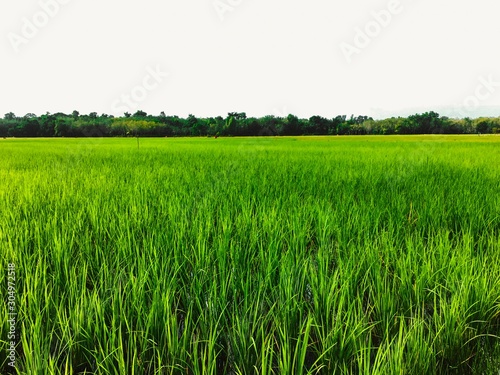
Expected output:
{"points": [[294, 255]]}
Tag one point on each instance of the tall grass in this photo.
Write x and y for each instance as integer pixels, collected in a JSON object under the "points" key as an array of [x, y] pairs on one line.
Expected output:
{"points": [[340, 255]]}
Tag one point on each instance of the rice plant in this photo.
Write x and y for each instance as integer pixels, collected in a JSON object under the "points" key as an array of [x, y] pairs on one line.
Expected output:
{"points": [[305, 255]]}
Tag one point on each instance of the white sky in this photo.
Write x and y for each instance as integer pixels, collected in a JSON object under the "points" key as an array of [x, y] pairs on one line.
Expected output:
{"points": [[264, 57]]}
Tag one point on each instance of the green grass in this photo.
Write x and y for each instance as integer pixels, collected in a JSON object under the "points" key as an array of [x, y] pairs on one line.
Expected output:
{"points": [[305, 255]]}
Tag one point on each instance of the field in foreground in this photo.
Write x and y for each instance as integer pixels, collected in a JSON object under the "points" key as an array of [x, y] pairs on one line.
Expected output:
{"points": [[321, 255]]}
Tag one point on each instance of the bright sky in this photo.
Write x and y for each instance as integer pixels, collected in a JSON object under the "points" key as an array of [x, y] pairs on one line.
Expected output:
{"points": [[211, 57]]}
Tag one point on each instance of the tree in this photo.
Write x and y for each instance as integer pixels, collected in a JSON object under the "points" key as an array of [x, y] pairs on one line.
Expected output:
{"points": [[140, 113], [269, 125], [229, 126], [425, 123], [483, 125], [237, 115], [4, 130], [318, 125], [235, 123], [28, 127], [386, 126], [252, 127], [291, 125], [196, 126], [63, 127], [47, 125]]}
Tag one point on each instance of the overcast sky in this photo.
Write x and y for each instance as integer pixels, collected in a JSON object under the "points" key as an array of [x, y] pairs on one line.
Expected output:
{"points": [[208, 58]]}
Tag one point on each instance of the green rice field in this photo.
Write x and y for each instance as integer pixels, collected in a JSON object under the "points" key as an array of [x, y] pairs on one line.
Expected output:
{"points": [[267, 255]]}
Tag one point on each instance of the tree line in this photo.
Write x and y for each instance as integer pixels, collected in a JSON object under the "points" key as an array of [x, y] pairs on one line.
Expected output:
{"points": [[234, 124]]}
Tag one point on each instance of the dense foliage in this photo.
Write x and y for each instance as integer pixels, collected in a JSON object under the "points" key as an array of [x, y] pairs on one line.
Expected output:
{"points": [[294, 255], [235, 124]]}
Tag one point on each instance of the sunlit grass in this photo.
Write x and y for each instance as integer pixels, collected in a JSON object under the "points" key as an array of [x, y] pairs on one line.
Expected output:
{"points": [[294, 255]]}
